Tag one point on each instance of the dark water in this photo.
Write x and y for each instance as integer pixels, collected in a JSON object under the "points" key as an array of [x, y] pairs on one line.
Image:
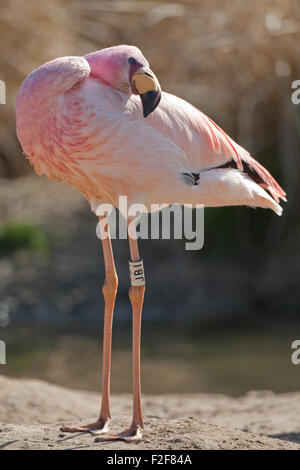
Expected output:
{"points": [[227, 358]]}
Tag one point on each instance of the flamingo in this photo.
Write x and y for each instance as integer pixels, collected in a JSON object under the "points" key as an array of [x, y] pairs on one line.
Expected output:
{"points": [[101, 124]]}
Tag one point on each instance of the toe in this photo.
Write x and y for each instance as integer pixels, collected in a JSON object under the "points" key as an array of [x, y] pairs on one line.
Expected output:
{"points": [[72, 429], [131, 435], [98, 427]]}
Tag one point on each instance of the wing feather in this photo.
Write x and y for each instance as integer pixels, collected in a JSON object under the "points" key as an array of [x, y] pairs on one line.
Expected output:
{"points": [[205, 143]]}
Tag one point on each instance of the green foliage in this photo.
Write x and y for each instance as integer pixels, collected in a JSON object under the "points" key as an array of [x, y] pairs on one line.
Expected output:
{"points": [[22, 236]]}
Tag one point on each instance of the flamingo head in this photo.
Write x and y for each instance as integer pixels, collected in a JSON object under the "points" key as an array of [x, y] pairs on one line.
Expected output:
{"points": [[126, 69]]}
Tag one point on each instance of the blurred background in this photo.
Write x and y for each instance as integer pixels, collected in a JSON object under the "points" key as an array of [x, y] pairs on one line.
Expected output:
{"points": [[218, 320]]}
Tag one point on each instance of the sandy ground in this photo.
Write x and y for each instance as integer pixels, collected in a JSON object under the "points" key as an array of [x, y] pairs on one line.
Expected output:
{"points": [[31, 412]]}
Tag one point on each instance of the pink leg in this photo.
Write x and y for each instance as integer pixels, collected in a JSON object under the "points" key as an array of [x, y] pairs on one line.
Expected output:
{"points": [[136, 295], [109, 291]]}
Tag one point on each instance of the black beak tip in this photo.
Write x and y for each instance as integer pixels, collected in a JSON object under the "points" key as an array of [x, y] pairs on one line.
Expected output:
{"points": [[146, 112], [150, 101]]}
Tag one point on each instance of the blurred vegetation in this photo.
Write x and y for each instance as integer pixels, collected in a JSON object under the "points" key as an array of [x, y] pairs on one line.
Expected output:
{"points": [[22, 236]]}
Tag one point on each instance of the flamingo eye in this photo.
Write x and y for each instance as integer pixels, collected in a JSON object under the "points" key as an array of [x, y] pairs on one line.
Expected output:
{"points": [[132, 61]]}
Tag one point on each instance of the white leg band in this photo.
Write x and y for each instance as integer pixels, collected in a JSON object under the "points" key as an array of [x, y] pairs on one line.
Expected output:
{"points": [[137, 275]]}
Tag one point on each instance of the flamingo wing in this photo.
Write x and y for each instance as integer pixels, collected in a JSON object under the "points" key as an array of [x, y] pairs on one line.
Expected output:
{"points": [[206, 144]]}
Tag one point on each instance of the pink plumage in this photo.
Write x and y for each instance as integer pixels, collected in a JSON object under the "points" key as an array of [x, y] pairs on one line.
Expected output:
{"points": [[101, 124], [79, 122]]}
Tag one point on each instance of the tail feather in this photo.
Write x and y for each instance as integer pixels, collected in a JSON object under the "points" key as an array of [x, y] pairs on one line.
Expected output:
{"points": [[268, 182], [260, 175]]}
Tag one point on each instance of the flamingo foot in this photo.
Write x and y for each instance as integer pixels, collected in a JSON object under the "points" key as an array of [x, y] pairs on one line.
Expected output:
{"points": [[99, 427], [133, 434]]}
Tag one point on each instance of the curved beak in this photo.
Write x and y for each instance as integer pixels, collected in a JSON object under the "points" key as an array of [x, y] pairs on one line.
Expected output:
{"points": [[147, 86]]}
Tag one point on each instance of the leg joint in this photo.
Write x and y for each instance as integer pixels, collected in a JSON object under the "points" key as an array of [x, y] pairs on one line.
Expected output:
{"points": [[136, 294], [110, 285]]}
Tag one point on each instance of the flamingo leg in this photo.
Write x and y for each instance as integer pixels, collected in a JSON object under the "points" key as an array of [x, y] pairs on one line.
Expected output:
{"points": [[109, 292], [136, 295]]}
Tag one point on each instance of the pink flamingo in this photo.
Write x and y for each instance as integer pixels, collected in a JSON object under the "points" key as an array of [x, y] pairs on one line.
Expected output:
{"points": [[81, 120]]}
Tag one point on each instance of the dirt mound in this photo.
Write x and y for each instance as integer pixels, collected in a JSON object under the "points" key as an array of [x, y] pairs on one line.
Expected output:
{"points": [[31, 412]]}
